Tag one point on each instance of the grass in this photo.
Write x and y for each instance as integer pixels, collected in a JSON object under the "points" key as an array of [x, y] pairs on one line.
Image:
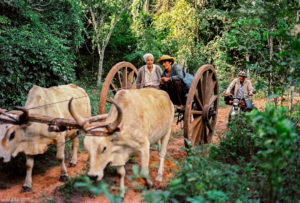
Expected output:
{"points": [[222, 102], [43, 198], [68, 190], [94, 94]]}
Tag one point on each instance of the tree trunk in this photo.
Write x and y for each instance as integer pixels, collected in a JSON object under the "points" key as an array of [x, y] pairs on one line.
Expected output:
{"points": [[101, 50], [292, 88], [298, 13], [248, 59], [270, 44], [100, 66], [146, 6]]}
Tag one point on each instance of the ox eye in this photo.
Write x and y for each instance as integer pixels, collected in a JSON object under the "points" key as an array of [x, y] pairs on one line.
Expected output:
{"points": [[12, 136], [103, 150]]}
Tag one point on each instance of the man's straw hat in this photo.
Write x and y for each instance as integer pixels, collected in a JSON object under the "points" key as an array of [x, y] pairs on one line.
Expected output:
{"points": [[242, 74], [166, 58]]}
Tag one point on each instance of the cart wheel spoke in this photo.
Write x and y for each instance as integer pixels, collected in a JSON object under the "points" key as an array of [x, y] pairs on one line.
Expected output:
{"points": [[198, 101], [130, 78], [210, 90], [210, 85], [118, 80], [195, 122], [196, 134], [124, 78], [114, 89], [203, 87], [196, 112], [212, 100], [200, 95]]}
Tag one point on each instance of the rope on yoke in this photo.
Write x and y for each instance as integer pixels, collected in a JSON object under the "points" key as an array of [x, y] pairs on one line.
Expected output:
{"points": [[36, 107]]}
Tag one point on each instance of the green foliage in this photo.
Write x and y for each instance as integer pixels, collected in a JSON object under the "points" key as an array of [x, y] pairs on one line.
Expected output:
{"points": [[260, 161], [94, 93], [261, 41], [38, 47], [275, 135], [237, 145], [203, 179], [122, 43], [295, 116], [86, 184], [69, 189]]}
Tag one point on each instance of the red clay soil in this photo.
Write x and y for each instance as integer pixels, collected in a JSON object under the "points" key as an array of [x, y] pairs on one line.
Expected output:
{"points": [[44, 184]]}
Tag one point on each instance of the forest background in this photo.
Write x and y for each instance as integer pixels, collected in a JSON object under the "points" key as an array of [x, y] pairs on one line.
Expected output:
{"points": [[52, 42]]}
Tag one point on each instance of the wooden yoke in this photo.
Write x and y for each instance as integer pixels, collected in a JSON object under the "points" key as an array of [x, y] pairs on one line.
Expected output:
{"points": [[22, 116]]}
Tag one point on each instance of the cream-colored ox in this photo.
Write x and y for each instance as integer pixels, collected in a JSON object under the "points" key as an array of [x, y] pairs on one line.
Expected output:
{"points": [[139, 118], [34, 138]]}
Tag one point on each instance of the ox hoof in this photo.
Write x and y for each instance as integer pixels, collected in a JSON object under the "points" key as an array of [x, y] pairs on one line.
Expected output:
{"points": [[72, 165], [63, 178], [25, 188]]}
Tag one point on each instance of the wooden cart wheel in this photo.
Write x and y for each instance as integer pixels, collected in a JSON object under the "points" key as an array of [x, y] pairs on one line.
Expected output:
{"points": [[201, 108], [121, 76]]}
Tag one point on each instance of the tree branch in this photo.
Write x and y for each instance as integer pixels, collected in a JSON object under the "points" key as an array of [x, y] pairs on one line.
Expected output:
{"points": [[105, 42]]}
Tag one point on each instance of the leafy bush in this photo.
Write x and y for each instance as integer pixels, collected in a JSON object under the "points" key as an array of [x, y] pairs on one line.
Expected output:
{"points": [[37, 47], [277, 160], [85, 184], [237, 145], [260, 161], [203, 179], [67, 190]]}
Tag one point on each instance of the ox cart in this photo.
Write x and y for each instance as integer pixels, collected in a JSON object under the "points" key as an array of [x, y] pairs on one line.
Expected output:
{"points": [[199, 113], [200, 110]]}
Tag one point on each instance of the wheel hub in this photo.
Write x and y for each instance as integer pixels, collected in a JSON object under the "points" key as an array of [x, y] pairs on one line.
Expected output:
{"points": [[208, 112]]}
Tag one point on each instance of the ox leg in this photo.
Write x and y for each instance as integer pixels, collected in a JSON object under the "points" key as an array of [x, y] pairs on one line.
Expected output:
{"points": [[60, 155], [28, 180], [145, 158], [121, 171], [162, 155], [73, 161]]}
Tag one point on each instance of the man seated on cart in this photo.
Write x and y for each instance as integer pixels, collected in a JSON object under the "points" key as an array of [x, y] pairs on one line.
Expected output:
{"points": [[172, 81]]}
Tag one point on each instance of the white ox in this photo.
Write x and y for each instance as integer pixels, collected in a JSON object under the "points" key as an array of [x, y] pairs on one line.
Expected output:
{"points": [[34, 138], [138, 119]]}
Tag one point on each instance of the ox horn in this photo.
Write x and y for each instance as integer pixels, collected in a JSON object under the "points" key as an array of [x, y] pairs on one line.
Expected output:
{"points": [[110, 127], [85, 123], [114, 126], [77, 117]]}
